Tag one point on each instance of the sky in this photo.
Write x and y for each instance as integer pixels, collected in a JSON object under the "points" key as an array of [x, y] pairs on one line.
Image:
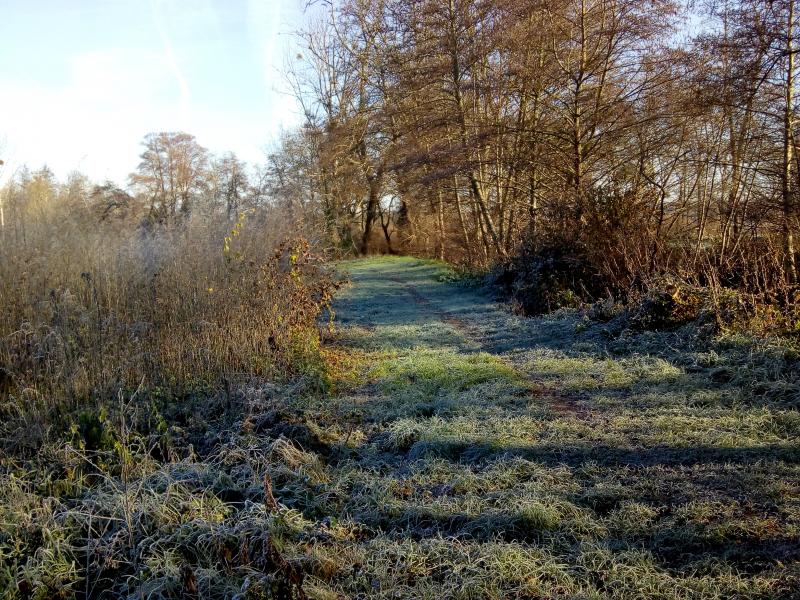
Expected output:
{"points": [[83, 81]]}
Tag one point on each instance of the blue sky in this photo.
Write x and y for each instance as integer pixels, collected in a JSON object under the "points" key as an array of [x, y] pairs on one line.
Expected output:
{"points": [[82, 81]]}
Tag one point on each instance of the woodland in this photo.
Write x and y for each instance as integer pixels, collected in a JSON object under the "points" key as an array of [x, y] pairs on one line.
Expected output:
{"points": [[513, 313]]}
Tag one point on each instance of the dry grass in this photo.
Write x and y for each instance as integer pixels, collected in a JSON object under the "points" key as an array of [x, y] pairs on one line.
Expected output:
{"points": [[91, 311], [126, 352]]}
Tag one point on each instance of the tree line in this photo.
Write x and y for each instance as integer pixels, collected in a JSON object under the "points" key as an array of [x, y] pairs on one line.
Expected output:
{"points": [[619, 139], [176, 178], [635, 137]]}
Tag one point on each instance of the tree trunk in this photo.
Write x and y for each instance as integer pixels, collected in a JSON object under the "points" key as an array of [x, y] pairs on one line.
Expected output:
{"points": [[440, 221], [371, 212], [786, 172]]}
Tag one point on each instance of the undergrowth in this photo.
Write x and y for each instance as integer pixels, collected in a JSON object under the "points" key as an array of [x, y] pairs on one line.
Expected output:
{"points": [[129, 356]]}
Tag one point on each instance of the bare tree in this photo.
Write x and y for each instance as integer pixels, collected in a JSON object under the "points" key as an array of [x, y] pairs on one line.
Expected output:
{"points": [[172, 173]]}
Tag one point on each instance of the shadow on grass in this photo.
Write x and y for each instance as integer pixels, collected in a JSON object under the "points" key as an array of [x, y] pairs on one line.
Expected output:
{"points": [[681, 550], [576, 455], [661, 396]]}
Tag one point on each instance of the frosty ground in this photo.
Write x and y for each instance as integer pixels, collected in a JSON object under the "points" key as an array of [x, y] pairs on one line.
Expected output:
{"points": [[489, 455]]}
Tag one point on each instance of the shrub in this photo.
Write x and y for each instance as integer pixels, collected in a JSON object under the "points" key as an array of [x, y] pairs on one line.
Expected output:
{"points": [[669, 303], [540, 280]]}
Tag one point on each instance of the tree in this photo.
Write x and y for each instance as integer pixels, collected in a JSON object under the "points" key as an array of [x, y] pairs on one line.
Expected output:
{"points": [[230, 184], [172, 173], [109, 201], [508, 127]]}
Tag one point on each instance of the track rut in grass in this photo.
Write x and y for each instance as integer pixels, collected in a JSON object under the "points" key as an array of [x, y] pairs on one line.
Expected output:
{"points": [[418, 298]]}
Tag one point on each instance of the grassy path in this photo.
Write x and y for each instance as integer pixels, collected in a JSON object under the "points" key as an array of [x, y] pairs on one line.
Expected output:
{"points": [[472, 453]]}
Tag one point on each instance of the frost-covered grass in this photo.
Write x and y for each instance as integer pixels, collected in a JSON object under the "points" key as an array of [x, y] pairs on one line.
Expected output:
{"points": [[542, 458], [464, 453]]}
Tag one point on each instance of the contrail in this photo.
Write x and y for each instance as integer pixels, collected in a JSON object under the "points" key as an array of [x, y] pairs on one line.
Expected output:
{"points": [[170, 55], [265, 19]]}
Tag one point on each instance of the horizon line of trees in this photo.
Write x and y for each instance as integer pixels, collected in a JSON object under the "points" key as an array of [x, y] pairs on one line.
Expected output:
{"points": [[175, 178]]}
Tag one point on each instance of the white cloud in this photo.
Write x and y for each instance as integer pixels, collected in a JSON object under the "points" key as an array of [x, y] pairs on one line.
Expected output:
{"points": [[264, 19], [273, 25], [95, 121], [170, 56]]}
